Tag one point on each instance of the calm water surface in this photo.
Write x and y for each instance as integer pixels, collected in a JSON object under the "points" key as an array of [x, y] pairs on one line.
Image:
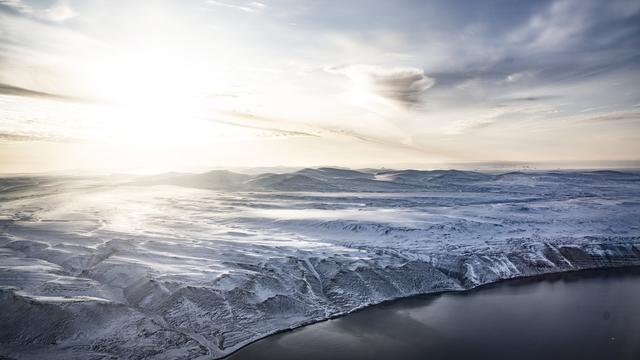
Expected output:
{"points": [[585, 315]]}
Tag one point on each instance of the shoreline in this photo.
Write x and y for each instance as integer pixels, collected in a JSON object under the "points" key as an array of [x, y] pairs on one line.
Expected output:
{"points": [[554, 275]]}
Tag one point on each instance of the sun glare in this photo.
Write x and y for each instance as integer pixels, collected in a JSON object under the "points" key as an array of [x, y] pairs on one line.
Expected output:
{"points": [[155, 98]]}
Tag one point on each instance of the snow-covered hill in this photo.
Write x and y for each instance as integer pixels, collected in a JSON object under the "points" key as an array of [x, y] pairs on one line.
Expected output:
{"points": [[197, 265]]}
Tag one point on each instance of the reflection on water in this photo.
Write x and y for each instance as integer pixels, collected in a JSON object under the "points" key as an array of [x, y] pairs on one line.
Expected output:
{"points": [[587, 315]]}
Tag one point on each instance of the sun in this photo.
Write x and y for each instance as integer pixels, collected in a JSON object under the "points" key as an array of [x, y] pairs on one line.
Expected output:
{"points": [[154, 97]]}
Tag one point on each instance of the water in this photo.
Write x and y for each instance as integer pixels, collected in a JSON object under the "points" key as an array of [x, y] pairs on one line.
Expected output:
{"points": [[586, 315]]}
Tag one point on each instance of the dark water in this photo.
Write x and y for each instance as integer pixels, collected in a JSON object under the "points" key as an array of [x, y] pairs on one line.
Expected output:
{"points": [[586, 315]]}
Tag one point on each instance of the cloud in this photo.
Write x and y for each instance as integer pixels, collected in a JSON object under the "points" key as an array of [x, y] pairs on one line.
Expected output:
{"points": [[249, 7], [518, 76], [58, 12], [478, 118], [626, 115], [257, 4], [6, 89], [17, 5], [8, 136], [560, 23], [401, 84], [273, 130], [568, 23], [284, 128], [531, 98]]}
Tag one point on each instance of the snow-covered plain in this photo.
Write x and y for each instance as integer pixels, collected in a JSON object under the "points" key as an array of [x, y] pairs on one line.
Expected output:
{"points": [[180, 266]]}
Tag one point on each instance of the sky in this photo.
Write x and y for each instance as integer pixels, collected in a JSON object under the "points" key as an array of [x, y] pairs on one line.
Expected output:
{"points": [[158, 85]]}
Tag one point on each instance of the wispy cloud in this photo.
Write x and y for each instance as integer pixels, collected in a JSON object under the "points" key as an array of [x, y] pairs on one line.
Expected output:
{"points": [[17, 5], [246, 7], [35, 136], [251, 121], [566, 23], [17, 137], [631, 115], [58, 12], [6, 89], [284, 127], [518, 77]]}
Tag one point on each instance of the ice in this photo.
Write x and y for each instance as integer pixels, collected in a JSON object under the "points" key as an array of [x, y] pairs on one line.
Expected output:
{"points": [[197, 265]]}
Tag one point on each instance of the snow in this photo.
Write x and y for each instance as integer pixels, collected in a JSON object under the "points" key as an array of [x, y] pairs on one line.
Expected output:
{"points": [[190, 266]]}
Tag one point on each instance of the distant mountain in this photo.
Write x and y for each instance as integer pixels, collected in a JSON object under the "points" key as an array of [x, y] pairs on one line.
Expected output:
{"points": [[216, 179], [334, 173], [290, 182], [563, 176], [432, 177], [338, 179]]}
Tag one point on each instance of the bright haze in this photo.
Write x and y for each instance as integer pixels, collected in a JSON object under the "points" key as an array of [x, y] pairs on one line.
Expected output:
{"points": [[148, 86]]}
